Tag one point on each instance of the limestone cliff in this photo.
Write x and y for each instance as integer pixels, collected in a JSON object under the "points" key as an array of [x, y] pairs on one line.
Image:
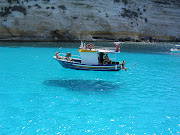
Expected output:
{"points": [[90, 19]]}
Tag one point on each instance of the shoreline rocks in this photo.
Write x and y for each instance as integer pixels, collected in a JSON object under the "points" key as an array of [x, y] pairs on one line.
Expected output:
{"points": [[109, 20]]}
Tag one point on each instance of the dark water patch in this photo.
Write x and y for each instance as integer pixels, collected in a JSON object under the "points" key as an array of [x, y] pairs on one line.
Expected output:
{"points": [[162, 48], [83, 85], [14, 46], [131, 47], [41, 44]]}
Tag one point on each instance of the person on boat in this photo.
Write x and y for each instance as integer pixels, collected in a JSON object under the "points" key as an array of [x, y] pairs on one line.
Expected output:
{"points": [[57, 56], [123, 65], [67, 57], [106, 60], [106, 57], [117, 48]]}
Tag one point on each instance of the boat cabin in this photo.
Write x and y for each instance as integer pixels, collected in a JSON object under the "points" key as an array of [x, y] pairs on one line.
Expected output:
{"points": [[92, 56]]}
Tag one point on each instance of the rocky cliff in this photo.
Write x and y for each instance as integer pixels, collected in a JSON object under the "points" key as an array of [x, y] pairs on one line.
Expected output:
{"points": [[90, 20]]}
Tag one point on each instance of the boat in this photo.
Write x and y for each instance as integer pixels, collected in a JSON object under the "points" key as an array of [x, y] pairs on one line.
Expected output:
{"points": [[91, 58], [176, 49]]}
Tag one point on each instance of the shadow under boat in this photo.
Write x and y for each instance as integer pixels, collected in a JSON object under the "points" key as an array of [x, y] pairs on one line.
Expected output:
{"points": [[83, 85]]}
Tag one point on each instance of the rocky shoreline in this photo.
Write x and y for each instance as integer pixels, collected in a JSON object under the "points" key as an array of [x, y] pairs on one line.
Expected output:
{"points": [[109, 20], [128, 39]]}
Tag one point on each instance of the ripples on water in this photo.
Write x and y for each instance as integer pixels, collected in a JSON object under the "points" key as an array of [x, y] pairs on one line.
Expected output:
{"points": [[39, 96]]}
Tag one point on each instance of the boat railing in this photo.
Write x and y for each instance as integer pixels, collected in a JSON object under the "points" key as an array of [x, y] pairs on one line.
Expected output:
{"points": [[63, 54], [76, 56], [104, 48], [107, 48], [97, 47]]}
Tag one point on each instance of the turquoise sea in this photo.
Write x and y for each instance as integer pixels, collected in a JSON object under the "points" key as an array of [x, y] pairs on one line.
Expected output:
{"points": [[39, 96]]}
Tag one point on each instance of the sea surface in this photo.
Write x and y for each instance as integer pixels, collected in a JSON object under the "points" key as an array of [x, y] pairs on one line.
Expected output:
{"points": [[39, 96]]}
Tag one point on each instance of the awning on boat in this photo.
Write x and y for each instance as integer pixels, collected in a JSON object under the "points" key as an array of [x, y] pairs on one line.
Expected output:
{"points": [[108, 51], [103, 50], [82, 50]]}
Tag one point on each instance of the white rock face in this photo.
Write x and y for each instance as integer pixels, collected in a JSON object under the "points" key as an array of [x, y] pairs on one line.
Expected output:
{"points": [[90, 19]]}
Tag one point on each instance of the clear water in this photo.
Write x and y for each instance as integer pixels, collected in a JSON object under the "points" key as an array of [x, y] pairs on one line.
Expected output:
{"points": [[39, 96]]}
